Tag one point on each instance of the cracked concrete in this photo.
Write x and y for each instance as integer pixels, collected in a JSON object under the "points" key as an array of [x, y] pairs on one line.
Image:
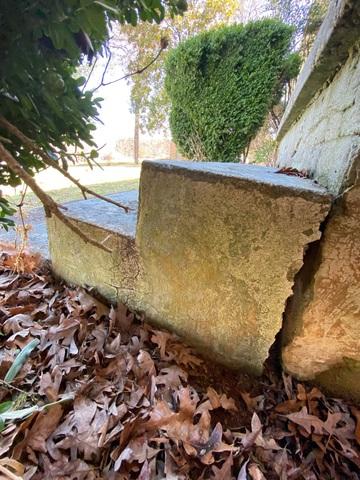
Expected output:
{"points": [[320, 133], [214, 257], [219, 247]]}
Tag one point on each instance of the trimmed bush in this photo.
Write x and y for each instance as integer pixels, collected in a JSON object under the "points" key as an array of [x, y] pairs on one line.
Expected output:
{"points": [[222, 83]]}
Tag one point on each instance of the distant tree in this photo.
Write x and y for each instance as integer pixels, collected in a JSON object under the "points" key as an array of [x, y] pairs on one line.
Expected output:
{"points": [[135, 47], [222, 84], [305, 16], [315, 18], [44, 107]]}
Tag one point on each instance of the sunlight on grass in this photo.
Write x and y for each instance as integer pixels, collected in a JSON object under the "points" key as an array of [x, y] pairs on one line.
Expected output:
{"points": [[73, 193]]}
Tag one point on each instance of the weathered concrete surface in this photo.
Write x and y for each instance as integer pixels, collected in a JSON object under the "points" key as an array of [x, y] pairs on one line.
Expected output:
{"points": [[322, 334], [92, 210], [321, 338], [219, 246], [338, 33], [84, 264], [326, 139]]}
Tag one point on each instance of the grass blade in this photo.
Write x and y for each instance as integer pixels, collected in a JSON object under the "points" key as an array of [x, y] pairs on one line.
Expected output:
{"points": [[20, 360]]}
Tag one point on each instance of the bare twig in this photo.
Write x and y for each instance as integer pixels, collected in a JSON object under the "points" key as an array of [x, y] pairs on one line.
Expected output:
{"points": [[23, 232], [51, 162], [50, 206], [104, 72], [89, 75], [136, 72], [17, 389]]}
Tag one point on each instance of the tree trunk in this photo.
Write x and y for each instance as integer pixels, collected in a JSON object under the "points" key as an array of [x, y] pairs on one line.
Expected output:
{"points": [[137, 137], [173, 151]]}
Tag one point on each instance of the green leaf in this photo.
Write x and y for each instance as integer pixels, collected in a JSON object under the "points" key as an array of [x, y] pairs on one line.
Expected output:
{"points": [[4, 406], [13, 415], [20, 360]]}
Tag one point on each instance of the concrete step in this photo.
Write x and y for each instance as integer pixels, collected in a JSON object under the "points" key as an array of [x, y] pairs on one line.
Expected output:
{"points": [[93, 210], [214, 257]]}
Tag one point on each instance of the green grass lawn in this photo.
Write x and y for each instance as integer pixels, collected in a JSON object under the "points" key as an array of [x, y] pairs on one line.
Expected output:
{"points": [[73, 193]]}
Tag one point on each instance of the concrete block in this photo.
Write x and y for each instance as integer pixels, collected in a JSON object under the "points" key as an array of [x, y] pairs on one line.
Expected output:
{"points": [[322, 332], [78, 262], [219, 246]]}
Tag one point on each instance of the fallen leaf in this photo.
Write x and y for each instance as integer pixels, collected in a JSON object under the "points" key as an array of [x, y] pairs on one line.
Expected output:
{"points": [[224, 472], [243, 473], [44, 425], [309, 422], [255, 472]]}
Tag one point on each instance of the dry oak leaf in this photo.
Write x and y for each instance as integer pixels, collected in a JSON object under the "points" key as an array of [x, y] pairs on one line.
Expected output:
{"points": [[184, 355], [50, 383], [171, 377], [255, 472], [44, 425], [310, 423], [17, 323], [224, 472], [251, 402], [120, 318], [356, 413], [222, 400], [12, 469], [255, 437], [179, 425], [87, 303], [146, 364], [160, 339], [137, 450]]}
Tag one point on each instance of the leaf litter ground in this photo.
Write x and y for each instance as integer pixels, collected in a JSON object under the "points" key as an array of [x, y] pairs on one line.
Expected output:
{"points": [[129, 401]]}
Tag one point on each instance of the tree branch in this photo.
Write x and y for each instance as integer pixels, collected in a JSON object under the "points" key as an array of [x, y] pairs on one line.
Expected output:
{"points": [[136, 72], [52, 163], [89, 75], [50, 206]]}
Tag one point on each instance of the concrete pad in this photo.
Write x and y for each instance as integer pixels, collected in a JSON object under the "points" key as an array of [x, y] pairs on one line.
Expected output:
{"points": [[219, 246]]}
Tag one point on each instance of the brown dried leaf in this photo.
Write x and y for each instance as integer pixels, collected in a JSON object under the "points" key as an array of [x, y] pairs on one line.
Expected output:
{"points": [[160, 339], [171, 377], [222, 400], [356, 414], [224, 472], [255, 472], [309, 422], [44, 425], [50, 384]]}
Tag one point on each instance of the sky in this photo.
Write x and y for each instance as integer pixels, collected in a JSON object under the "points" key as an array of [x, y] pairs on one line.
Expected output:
{"points": [[115, 114]]}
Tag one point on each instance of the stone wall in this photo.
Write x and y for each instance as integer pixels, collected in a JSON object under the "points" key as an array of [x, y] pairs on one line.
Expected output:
{"points": [[219, 247], [326, 138], [320, 133]]}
